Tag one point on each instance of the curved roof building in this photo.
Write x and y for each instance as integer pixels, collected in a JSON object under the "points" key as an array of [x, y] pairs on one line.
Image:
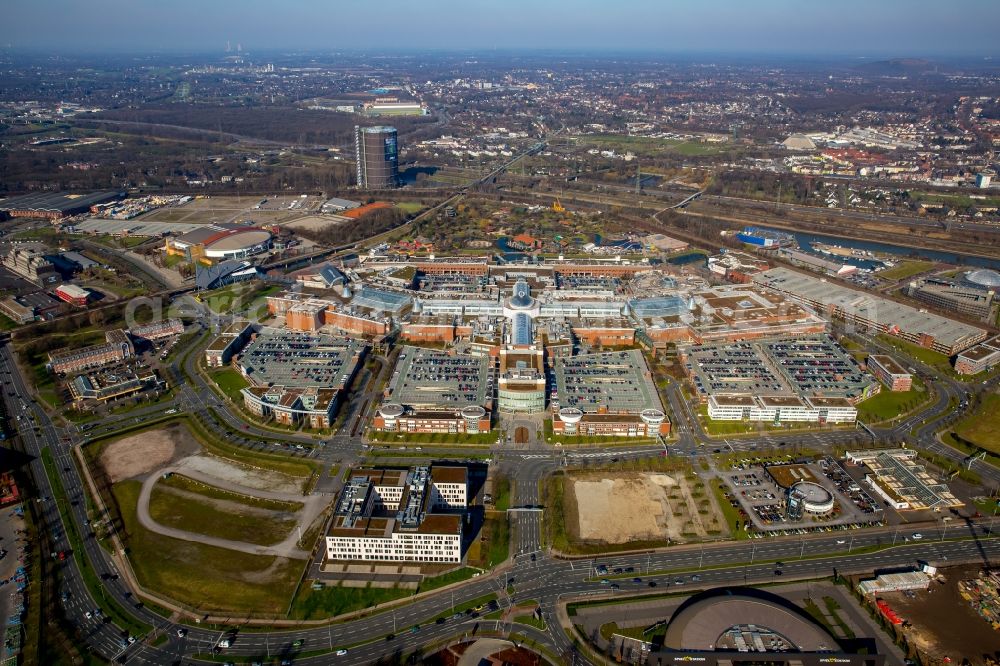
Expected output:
{"points": [[521, 302], [521, 298], [983, 278], [750, 622], [237, 243], [814, 497], [220, 241]]}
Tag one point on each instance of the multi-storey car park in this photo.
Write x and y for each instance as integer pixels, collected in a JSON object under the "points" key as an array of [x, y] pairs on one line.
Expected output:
{"points": [[431, 391], [298, 377], [787, 379], [606, 393]]}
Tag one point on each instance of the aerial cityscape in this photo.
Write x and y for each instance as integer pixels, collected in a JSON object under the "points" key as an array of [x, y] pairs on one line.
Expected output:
{"points": [[500, 334]]}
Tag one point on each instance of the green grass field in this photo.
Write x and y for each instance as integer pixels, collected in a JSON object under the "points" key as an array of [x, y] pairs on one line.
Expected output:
{"points": [[232, 298], [697, 148], [6, 323], [313, 604], [434, 582], [905, 269], [493, 544], [410, 206], [936, 360], [890, 404], [531, 621], [643, 144], [230, 382], [633, 632], [729, 514], [501, 492], [622, 141], [258, 300], [205, 577], [982, 427], [957, 200], [126, 242], [173, 260], [497, 530], [184, 504]]}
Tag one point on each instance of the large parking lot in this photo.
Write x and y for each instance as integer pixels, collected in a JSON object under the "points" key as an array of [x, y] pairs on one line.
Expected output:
{"points": [[300, 359], [618, 381], [817, 365], [803, 366], [752, 490], [428, 378]]}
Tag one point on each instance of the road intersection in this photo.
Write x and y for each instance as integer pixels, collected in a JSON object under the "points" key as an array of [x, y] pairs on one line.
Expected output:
{"points": [[533, 573]]}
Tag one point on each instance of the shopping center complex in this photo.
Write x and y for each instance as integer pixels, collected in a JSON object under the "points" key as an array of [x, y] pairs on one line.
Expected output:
{"points": [[569, 341]]}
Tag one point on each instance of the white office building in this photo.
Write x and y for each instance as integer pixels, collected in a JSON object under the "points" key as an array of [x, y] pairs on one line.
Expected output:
{"points": [[391, 515]]}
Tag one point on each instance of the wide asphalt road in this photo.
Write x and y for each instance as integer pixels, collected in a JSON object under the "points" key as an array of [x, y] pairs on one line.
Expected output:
{"points": [[532, 573]]}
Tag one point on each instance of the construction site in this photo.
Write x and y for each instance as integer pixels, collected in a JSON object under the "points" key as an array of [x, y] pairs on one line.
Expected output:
{"points": [[669, 507], [945, 621]]}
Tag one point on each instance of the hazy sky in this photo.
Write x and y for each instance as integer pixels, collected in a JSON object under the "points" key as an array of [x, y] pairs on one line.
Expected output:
{"points": [[844, 27]]}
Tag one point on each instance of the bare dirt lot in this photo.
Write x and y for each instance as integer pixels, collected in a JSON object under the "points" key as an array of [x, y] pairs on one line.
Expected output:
{"points": [[242, 475], [943, 624], [618, 508], [314, 223], [148, 451]]}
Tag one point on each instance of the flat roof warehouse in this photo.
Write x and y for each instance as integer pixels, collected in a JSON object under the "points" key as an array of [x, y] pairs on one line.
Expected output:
{"points": [[948, 336], [54, 204]]}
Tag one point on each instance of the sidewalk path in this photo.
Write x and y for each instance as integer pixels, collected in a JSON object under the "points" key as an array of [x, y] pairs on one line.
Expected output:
{"points": [[313, 506]]}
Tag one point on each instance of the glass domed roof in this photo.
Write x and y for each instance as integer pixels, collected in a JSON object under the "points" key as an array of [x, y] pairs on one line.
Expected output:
{"points": [[522, 295], [984, 277]]}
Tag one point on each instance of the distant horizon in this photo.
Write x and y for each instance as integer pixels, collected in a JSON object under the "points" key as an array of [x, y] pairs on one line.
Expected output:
{"points": [[775, 28], [833, 58]]}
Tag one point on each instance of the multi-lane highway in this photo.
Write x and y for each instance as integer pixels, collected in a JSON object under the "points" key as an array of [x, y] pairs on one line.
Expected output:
{"points": [[532, 573]]}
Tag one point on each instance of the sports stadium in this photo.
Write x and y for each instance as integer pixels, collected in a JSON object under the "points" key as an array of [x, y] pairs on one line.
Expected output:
{"points": [[217, 242]]}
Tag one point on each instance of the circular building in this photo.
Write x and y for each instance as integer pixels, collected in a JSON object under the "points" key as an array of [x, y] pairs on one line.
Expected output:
{"points": [[983, 278], [237, 243], [391, 410], [814, 497], [743, 623], [570, 415], [653, 418]]}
